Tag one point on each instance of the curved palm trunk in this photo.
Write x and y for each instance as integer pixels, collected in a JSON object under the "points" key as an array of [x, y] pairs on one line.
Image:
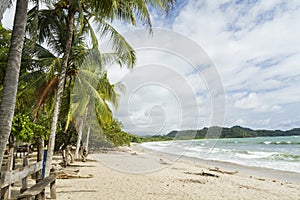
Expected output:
{"points": [[86, 147], [79, 140], [61, 83], [11, 80]]}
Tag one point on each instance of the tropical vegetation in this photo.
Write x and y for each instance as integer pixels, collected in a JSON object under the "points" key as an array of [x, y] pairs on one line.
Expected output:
{"points": [[219, 132], [57, 87]]}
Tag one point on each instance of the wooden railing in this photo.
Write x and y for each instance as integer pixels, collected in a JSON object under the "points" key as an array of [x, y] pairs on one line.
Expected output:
{"points": [[21, 175]]}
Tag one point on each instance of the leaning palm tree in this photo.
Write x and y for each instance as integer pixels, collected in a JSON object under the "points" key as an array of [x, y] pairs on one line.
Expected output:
{"points": [[12, 74], [91, 87], [78, 15]]}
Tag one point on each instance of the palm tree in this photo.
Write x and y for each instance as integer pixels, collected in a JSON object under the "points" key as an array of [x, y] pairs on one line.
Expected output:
{"points": [[12, 74], [91, 87], [80, 13]]}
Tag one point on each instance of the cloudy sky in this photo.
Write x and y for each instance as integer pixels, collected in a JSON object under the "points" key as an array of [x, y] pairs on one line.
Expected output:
{"points": [[229, 62]]}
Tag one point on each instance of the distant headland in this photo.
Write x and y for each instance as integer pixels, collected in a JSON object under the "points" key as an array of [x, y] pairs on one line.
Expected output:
{"points": [[221, 132]]}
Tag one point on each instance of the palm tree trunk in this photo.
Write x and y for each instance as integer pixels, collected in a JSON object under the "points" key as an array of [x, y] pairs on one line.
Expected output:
{"points": [[40, 156], [61, 83], [88, 121], [87, 138], [79, 139], [11, 80]]}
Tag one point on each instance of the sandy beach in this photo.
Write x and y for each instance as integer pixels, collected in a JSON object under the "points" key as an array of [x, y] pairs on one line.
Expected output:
{"points": [[135, 173]]}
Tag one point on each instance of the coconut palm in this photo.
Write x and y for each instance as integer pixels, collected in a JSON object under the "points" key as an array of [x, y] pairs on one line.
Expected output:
{"points": [[79, 53], [92, 86], [79, 14], [12, 74]]}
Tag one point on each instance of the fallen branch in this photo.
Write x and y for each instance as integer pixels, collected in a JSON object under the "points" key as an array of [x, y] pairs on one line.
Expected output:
{"points": [[69, 176], [216, 169], [203, 174]]}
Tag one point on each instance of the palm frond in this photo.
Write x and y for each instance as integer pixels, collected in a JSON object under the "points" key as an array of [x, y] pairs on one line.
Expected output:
{"points": [[120, 46], [50, 87]]}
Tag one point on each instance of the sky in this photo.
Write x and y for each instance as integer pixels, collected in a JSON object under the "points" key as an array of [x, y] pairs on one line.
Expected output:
{"points": [[226, 63]]}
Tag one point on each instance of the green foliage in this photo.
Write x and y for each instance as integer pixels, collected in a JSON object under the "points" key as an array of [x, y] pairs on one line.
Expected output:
{"points": [[25, 130], [214, 132], [156, 138], [5, 36], [233, 132], [114, 134]]}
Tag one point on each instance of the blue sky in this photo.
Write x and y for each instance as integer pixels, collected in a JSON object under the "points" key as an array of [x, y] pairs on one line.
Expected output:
{"points": [[254, 46]]}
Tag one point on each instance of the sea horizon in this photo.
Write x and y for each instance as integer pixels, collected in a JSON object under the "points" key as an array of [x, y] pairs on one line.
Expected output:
{"points": [[278, 153]]}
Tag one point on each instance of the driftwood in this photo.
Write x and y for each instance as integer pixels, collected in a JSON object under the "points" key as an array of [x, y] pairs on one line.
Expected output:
{"points": [[216, 169], [203, 174], [191, 181], [68, 174]]}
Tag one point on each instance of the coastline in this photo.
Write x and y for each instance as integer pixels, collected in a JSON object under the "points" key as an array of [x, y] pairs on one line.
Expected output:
{"points": [[137, 173], [286, 176]]}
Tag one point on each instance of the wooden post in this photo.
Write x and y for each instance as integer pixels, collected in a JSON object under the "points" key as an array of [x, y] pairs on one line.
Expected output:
{"points": [[53, 190], [6, 191], [42, 195], [40, 156], [25, 180]]}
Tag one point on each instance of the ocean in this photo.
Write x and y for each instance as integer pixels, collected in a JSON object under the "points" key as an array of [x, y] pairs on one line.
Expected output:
{"points": [[281, 153]]}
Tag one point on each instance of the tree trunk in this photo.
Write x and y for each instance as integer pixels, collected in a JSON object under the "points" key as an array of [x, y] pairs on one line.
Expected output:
{"points": [[40, 156], [87, 138], [88, 121], [11, 79], [61, 83], [79, 145]]}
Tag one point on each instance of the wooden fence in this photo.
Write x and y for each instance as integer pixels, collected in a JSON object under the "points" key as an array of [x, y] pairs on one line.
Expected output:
{"points": [[10, 177]]}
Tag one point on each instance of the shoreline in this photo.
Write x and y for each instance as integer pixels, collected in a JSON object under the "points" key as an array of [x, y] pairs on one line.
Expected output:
{"points": [[137, 173], [287, 176]]}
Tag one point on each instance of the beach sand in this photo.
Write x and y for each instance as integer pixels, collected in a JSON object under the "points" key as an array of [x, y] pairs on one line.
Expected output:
{"points": [[135, 173]]}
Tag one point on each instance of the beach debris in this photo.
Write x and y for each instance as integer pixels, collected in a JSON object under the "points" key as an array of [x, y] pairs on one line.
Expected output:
{"points": [[191, 181], [261, 179], [203, 174], [249, 187], [216, 169], [68, 174], [163, 162]]}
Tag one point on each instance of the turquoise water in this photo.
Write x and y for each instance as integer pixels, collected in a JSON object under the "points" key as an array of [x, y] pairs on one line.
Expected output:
{"points": [[281, 153]]}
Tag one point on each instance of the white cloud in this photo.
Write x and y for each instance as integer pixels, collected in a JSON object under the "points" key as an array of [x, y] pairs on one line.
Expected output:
{"points": [[256, 49]]}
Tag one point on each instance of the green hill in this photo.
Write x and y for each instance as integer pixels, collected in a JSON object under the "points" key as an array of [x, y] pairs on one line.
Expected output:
{"points": [[233, 132]]}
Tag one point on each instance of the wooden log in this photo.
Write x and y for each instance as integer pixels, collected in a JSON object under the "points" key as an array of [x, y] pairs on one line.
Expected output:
{"points": [[216, 169]]}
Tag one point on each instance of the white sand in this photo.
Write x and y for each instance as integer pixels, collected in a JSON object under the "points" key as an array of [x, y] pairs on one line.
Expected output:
{"points": [[138, 174]]}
